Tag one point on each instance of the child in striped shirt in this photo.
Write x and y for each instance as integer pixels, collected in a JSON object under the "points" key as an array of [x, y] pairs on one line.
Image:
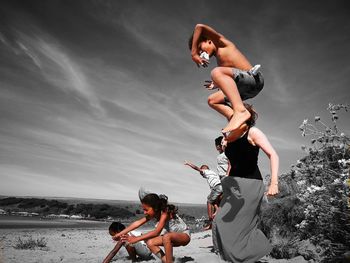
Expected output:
{"points": [[214, 197]]}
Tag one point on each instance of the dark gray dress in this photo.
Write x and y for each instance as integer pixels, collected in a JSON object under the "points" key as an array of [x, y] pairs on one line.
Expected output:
{"points": [[235, 233]]}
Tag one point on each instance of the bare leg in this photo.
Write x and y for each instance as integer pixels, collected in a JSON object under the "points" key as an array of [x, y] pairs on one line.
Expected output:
{"points": [[217, 102], [210, 211], [223, 78], [153, 244], [171, 240], [215, 210]]}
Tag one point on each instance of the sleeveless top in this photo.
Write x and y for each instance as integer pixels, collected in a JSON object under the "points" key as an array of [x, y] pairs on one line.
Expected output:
{"points": [[176, 225], [243, 157]]}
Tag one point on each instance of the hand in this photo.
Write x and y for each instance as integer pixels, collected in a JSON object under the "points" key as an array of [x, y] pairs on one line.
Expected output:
{"points": [[116, 237], [200, 61], [128, 239], [187, 163], [209, 85], [273, 190]]}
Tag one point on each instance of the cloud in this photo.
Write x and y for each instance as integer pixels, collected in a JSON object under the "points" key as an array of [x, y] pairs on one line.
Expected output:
{"points": [[54, 63]]}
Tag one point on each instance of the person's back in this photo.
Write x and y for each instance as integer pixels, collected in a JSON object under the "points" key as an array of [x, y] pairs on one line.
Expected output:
{"points": [[213, 178], [228, 55]]}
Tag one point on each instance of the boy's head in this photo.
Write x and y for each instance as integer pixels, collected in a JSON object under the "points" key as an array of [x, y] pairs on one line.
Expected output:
{"points": [[204, 45], [115, 228], [204, 167], [218, 145]]}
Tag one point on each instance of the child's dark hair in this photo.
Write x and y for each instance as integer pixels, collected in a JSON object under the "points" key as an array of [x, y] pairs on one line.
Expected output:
{"points": [[253, 115], [190, 40], [116, 227], [159, 203], [218, 140]]}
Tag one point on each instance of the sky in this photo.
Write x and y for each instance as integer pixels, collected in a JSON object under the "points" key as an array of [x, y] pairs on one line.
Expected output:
{"points": [[98, 98]]}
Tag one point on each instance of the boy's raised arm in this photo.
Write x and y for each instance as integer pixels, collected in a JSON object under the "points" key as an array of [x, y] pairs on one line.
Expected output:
{"points": [[114, 251], [192, 166], [208, 33]]}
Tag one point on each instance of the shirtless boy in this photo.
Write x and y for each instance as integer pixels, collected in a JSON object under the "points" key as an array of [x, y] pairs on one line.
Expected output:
{"points": [[234, 75]]}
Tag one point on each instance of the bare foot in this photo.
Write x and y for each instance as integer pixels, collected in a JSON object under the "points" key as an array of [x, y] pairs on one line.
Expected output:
{"points": [[236, 121], [235, 134]]}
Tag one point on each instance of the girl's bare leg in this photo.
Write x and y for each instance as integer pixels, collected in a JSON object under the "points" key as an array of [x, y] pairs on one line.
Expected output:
{"points": [[171, 240], [223, 78], [217, 102], [153, 244]]}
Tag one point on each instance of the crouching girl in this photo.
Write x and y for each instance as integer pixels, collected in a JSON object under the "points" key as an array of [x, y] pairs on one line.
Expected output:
{"points": [[170, 231]]}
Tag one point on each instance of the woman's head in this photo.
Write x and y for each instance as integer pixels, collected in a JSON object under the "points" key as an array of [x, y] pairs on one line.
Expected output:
{"points": [[253, 115], [153, 205]]}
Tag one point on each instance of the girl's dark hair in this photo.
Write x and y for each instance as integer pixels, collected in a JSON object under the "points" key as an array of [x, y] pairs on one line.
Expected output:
{"points": [[253, 115], [116, 227], [159, 203]]}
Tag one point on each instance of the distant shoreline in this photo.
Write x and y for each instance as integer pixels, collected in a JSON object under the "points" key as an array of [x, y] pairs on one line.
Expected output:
{"points": [[20, 222]]}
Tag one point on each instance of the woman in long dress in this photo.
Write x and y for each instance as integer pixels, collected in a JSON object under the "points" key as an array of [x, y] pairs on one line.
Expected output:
{"points": [[235, 233]]}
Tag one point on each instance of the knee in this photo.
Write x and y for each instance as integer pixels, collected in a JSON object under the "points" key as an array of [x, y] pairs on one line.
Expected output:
{"points": [[211, 100], [166, 239], [216, 73], [149, 242]]}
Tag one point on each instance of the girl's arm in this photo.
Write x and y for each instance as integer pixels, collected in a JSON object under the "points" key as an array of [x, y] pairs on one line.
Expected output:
{"points": [[164, 217], [131, 227], [259, 139]]}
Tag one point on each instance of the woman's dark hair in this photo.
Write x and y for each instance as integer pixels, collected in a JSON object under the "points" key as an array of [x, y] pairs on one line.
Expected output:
{"points": [[253, 115], [159, 203], [116, 227]]}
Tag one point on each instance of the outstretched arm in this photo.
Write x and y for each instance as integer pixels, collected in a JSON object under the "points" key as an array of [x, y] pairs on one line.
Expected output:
{"points": [[260, 140], [131, 227], [113, 252], [192, 166], [164, 217]]}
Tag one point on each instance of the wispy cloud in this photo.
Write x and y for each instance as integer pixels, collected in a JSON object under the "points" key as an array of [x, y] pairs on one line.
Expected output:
{"points": [[55, 64]]}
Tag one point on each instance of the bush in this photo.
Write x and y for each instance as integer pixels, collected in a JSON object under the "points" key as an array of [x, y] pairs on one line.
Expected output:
{"points": [[30, 243], [317, 209]]}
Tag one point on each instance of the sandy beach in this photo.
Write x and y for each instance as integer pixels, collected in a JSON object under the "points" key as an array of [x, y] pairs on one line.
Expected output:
{"points": [[87, 245], [92, 245]]}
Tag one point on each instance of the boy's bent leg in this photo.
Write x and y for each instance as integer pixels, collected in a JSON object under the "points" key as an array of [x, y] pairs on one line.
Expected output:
{"points": [[217, 102], [223, 78]]}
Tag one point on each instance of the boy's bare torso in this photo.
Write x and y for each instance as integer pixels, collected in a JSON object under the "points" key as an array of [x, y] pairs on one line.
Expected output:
{"points": [[229, 56]]}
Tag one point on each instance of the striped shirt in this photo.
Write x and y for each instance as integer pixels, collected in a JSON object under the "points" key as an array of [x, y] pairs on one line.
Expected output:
{"points": [[222, 165], [212, 178]]}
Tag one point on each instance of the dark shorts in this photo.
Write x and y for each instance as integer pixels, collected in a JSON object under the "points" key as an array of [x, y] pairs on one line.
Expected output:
{"points": [[248, 85], [215, 192]]}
